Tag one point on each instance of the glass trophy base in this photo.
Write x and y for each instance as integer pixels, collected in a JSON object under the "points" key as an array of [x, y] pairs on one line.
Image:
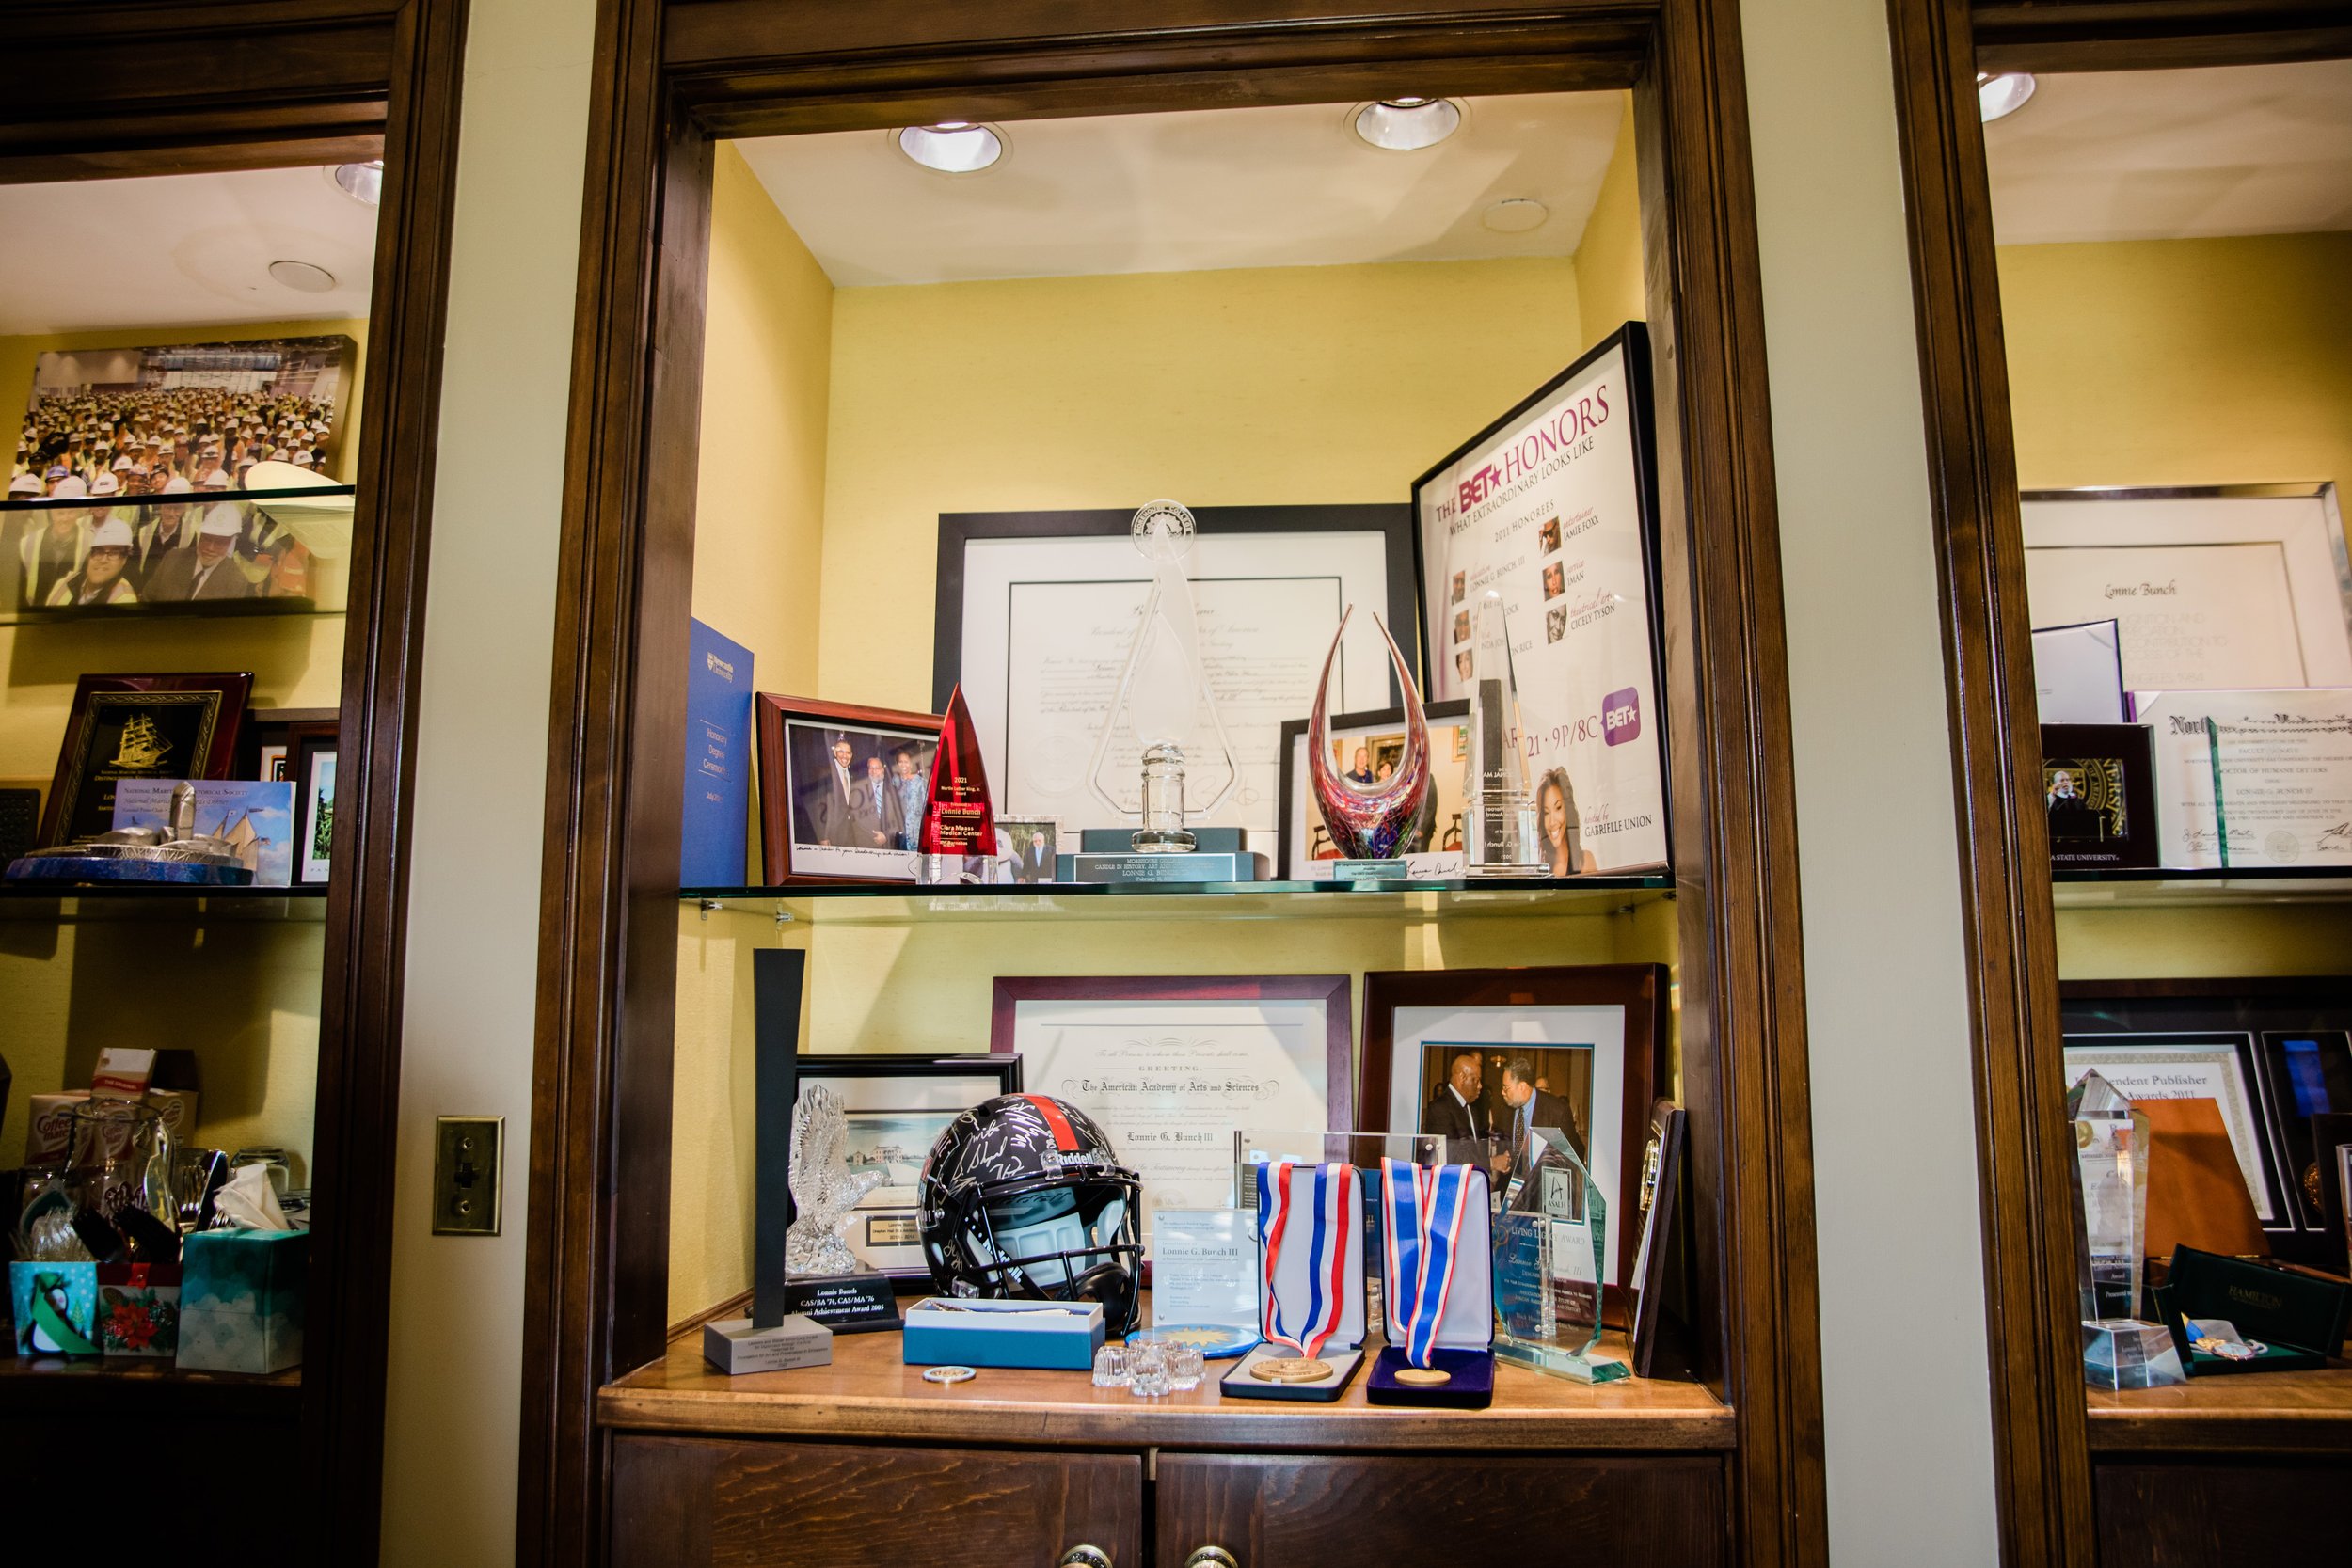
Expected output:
{"points": [[2124, 1353], [1533, 868], [1556, 1362], [950, 870], [1162, 841]]}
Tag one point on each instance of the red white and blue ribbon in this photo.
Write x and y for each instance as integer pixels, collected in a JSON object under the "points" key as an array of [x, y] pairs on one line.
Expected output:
{"points": [[1328, 1200], [1421, 1216]]}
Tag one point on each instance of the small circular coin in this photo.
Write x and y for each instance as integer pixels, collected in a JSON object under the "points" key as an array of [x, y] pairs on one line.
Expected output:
{"points": [[1291, 1370], [948, 1374], [1423, 1377]]}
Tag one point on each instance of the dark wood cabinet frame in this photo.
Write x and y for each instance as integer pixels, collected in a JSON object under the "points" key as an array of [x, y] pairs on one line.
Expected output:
{"points": [[113, 89], [2041, 1446], [673, 76]]}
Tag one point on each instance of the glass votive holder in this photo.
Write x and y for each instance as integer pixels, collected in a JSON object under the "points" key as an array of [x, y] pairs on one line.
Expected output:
{"points": [[1147, 1371], [1110, 1366], [1185, 1365]]}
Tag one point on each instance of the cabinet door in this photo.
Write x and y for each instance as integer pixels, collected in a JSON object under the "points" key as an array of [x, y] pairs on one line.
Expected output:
{"points": [[2212, 1511], [1277, 1512], [820, 1505]]}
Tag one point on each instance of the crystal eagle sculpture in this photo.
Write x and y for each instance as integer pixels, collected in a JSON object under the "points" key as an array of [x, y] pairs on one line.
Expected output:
{"points": [[824, 1193]]}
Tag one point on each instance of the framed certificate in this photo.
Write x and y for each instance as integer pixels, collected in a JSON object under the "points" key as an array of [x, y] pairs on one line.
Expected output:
{"points": [[1553, 506], [1036, 611], [2244, 586], [2218, 1067], [2252, 779], [1171, 1067]]}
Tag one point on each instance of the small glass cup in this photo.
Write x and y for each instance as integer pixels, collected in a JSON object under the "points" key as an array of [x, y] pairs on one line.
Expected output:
{"points": [[1185, 1365], [1146, 1369], [1110, 1366]]}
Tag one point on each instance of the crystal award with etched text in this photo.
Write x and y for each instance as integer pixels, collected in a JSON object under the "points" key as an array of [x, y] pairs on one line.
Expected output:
{"points": [[1551, 1244], [1501, 831]]}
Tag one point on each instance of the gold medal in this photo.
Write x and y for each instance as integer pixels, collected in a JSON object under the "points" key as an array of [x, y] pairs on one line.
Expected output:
{"points": [[1423, 1377], [1291, 1370]]}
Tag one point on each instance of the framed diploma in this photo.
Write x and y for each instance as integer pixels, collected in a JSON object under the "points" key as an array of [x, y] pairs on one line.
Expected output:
{"points": [[1487, 1054], [2223, 586], [2252, 779], [1366, 747], [1172, 1066], [1036, 611], [1553, 506], [140, 727], [2098, 784]]}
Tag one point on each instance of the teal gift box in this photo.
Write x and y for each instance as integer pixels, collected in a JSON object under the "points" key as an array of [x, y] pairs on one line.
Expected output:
{"points": [[240, 1300], [56, 1306]]}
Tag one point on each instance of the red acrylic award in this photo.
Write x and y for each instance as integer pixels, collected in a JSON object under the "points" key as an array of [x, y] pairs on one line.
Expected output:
{"points": [[958, 820]]}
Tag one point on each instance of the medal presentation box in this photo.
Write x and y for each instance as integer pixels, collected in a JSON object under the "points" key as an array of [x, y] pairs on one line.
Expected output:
{"points": [[1310, 1301], [1436, 1288]]}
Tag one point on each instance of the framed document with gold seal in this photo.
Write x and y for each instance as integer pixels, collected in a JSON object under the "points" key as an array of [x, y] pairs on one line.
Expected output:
{"points": [[140, 727]]}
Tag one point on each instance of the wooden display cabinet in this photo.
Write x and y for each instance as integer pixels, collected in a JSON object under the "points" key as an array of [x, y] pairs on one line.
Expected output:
{"points": [[630, 1446]]}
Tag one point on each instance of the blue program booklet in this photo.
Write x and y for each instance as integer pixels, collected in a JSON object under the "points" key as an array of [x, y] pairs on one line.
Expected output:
{"points": [[718, 760]]}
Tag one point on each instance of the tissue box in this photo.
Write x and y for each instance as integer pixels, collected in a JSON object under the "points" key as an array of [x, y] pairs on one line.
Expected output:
{"points": [[240, 1300], [47, 1131], [139, 1309], [56, 1306], [1063, 1335]]}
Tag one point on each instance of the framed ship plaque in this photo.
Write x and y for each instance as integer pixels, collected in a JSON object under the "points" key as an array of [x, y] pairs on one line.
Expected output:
{"points": [[140, 727]]}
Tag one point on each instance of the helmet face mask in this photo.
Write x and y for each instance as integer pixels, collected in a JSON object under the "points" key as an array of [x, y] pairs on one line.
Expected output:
{"points": [[1023, 1198]]}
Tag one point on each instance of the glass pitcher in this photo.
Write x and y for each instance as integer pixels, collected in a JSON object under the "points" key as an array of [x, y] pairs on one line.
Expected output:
{"points": [[119, 1154]]}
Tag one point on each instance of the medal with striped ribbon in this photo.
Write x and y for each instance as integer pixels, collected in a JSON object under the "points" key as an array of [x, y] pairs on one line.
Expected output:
{"points": [[1326, 1199], [1421, 1215]]}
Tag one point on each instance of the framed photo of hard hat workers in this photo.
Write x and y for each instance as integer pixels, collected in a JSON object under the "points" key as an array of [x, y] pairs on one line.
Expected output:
{"points": [[842, 789], [1171, 1067]]}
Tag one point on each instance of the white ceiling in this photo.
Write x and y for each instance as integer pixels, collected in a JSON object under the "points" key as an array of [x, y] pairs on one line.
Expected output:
{"points": [[190, 249], [2176, 155], [1273, 187]]}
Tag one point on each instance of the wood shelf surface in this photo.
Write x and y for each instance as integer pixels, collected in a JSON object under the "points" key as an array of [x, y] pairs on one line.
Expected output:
{"points": [[2305, 1412], [869, 1393], [51, 1384]]}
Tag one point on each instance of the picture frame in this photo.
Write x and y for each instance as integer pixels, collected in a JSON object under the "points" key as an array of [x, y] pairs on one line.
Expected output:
{"points": [[1302, 839], [1036, 611], [1172, 1066], [271, 735], [140, 726], [2260, 1021], [1582, 601], [319, 364], [313, 774], [1602, 1026], [1026, 847], [1655, 1279], [807, 834], [2099, 788]]}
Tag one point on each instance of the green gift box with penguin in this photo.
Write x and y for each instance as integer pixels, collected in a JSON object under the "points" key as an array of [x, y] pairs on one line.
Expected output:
{"points": [[55, 1308], [240, 1298]]}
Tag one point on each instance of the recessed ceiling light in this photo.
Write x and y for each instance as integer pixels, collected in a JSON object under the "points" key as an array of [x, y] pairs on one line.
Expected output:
{"points": [[362, 182], [1407, 124], [2004, 94], [302, 276], [953, 146], [1516, 215]]}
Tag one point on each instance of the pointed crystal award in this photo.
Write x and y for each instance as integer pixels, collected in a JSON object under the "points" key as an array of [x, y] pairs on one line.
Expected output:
{"points": [[1501, 840], [1550, 1255], [2110, 1150], [1370, 824], [959, 835], [1163, 692]]}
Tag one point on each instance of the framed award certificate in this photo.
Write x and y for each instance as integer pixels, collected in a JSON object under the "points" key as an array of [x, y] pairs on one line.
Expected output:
{"points": [[2252, 779], [1171, 1067]]}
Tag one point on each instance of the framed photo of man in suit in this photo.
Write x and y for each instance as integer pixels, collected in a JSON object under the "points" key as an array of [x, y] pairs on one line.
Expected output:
{"points": [[842, 789]]}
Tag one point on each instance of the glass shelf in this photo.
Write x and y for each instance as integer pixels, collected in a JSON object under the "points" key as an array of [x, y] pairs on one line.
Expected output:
{"points": [[288, 556], [900, 903], [194, 906], [2158, 887]]}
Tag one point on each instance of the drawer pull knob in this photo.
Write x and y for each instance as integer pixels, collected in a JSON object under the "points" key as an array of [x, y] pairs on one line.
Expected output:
{"points": [[1211, 1557], [1085, 1557]]}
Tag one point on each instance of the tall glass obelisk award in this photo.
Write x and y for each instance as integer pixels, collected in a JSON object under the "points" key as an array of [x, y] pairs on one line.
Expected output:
{"points": [[1501, 838]]}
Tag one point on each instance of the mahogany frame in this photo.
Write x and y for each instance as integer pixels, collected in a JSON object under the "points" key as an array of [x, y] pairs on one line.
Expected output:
{"points": [[122, 89], [2042, 1458], [673, 74]]}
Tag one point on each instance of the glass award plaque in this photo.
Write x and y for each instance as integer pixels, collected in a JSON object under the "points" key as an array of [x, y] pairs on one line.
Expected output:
{"points": [[2124, 1353], [2111, 1143], [1551, 1244], [1501, 840]]}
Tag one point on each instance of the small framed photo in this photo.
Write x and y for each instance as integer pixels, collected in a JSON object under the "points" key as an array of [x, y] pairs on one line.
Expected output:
{"points": [[1478, 1056], [2099, 785], [1366, 747], [1027, 846], [313, 770], [271, 735], [842, 789]]}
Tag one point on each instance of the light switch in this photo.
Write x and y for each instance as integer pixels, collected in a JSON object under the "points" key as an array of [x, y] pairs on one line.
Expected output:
{"points": [[465, 1175]]}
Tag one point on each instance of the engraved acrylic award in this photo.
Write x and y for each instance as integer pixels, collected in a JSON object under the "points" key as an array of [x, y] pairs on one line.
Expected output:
{"points": [[1500, 841], [1369, 822], [1550, 1247], [958, 836], [1163, 691], [2120, 1350]]}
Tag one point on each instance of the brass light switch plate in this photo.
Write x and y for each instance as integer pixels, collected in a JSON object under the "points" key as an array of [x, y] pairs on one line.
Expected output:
{"points": [[465, 1182]]}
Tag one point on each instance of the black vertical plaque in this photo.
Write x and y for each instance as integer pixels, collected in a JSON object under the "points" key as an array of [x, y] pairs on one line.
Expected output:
{"points": [[777, 975]]}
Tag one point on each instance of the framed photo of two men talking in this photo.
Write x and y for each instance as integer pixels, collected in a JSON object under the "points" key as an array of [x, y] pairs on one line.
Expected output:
{"points": [[842, 789]]}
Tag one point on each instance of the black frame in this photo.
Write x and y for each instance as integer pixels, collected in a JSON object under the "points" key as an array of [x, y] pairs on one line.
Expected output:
{"points": [[1293, 729], [2134, 747], [298, 760], [1401, 559]]}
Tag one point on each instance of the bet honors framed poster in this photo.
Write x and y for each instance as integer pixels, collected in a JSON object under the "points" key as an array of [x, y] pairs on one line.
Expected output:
{"points": [[1553, 506]]}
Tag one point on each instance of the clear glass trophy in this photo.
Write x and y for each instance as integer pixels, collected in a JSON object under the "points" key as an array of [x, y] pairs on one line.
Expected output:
{"points": [[1501, 838], [1163, 692], [1550, 1249], [2111, 1143]]}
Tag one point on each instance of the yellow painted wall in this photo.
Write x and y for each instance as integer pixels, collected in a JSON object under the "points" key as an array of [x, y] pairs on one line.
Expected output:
{"points": [[2184, 362], [1609, 283]]}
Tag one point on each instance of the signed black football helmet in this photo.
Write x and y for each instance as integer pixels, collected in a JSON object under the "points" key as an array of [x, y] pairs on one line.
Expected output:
{"points": [[1023, 1196]]}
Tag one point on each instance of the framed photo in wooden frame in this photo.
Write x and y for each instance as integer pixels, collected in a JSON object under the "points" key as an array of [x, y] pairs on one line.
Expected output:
{"points": [[1171, 1067], [1478, 1053], [841, 789]]}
